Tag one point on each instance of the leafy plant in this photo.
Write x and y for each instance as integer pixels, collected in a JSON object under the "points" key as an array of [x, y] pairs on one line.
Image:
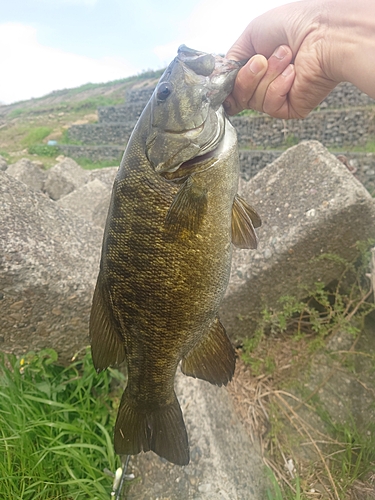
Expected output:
{"points": [[325, 311]]}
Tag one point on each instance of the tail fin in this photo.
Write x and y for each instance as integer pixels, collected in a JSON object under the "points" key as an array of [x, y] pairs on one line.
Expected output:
{"points": [[161, 430]]}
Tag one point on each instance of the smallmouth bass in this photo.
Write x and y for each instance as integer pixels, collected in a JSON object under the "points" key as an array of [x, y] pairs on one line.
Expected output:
{"points": [[166, 255]]}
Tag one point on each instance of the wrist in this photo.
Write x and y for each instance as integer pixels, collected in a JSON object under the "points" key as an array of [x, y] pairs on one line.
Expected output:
{"points": [[349, 43]]}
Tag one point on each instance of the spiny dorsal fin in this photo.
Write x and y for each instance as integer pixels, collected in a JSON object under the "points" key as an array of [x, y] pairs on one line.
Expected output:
{"points": [[213, 359], [107, 347], [244, 219], [160, 429]]}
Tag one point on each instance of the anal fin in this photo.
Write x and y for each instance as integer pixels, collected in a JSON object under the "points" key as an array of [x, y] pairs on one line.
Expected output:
{"points": [[107, 347], [244, 220], [213, 359], [161, 429]]}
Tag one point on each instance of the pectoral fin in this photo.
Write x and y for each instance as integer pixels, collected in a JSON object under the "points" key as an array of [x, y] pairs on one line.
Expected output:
{"points": [[213, 359], [107, 347], [187, 209], [244, 220]]}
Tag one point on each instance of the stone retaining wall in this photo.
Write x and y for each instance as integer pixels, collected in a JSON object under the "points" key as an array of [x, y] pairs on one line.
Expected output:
{"points": [[93, 153], [101, 133], [346, 95], [331, 128], [331, 125], [135, 102]]}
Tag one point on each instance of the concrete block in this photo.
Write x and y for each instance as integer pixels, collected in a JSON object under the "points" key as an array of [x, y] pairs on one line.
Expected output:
{"points": [[49, 260], [310, 204], [106, 175], [90, 201], [63, 178], [27, 172]]}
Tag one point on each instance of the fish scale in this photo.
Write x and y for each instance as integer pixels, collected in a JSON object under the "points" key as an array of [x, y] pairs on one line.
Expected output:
{"points": [[166, 255]]}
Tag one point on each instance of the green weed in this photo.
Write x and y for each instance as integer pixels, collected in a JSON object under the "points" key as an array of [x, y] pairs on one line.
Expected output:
{"points": [[92, 103], [326, 311], [5, 155], [291, 140], [88, 164], [55, 428], [369, 147], [352, 454], [35, 135], [65, 139], [248, 112], [43, 150], [15, 113], [275, 492]]}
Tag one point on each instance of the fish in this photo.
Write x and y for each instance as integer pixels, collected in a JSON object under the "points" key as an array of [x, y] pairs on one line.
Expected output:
{"points": [[166, 255]]}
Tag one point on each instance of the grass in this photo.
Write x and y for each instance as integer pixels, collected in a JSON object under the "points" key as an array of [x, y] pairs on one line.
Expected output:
{"points": [[369, 147], [35, 135], [274, 492], [43, 150], [56, 428], [92, 103]]}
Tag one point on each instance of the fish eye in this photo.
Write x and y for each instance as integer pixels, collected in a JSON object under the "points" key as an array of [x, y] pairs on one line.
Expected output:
{"points": [[164, 91]]}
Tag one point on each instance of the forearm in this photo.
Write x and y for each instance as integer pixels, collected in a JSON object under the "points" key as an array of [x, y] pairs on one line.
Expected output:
{"points": [[350, 43]]}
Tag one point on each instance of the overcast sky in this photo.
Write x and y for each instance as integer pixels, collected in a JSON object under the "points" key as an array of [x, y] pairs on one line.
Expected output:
{"points": [[48, 45]]}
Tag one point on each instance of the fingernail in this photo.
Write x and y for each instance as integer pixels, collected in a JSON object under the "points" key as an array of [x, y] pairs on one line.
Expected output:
{"points": [[288, 70], [256, 65], [280, 52]]}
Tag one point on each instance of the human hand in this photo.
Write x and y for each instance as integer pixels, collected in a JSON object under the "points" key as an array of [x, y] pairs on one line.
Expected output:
{"points": [[330, 41], [263, 84]]}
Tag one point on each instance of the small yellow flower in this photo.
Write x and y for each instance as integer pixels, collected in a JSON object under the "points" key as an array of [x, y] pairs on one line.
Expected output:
{"points": [[22, 361]]}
